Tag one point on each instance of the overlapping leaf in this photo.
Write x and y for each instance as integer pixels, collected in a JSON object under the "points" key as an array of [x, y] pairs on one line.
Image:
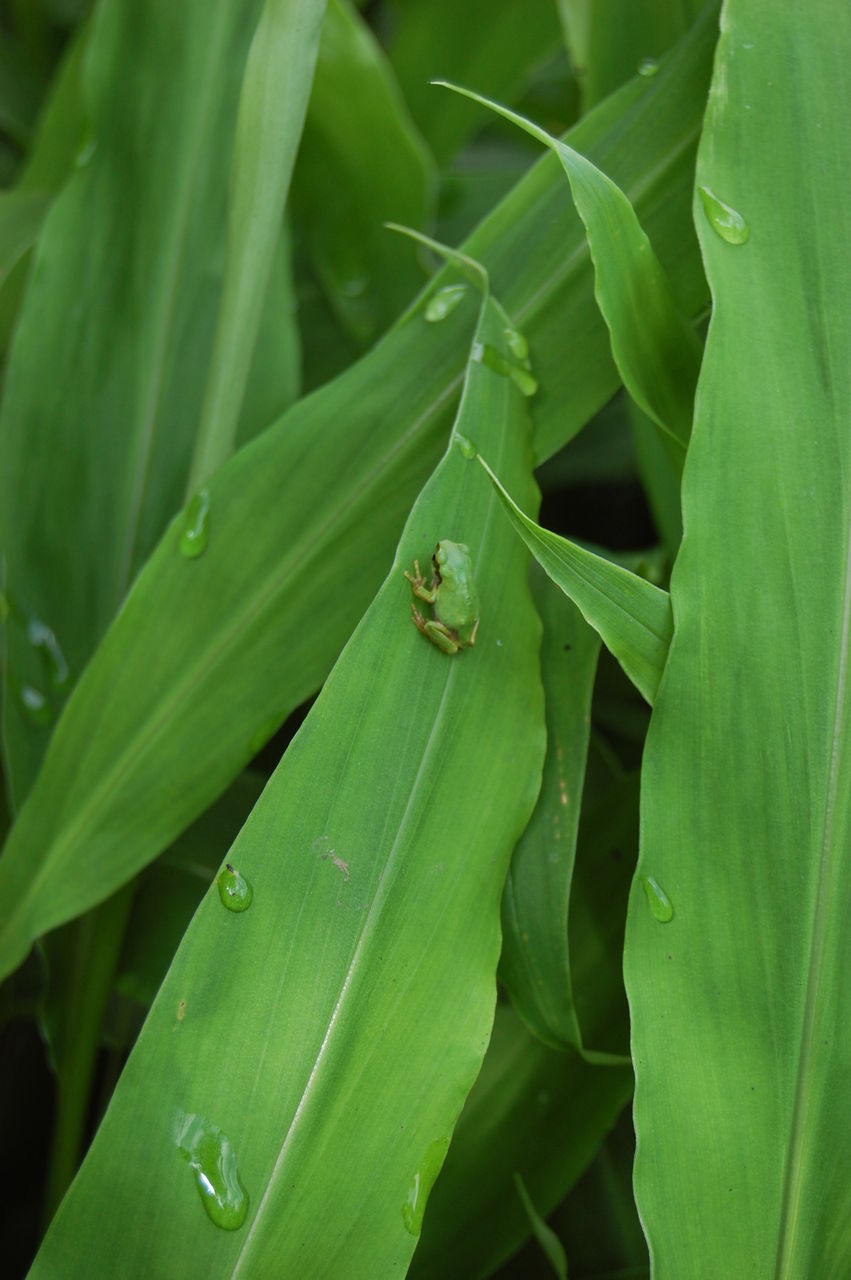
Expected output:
{"points": [[333, 1029], [208, 655]]}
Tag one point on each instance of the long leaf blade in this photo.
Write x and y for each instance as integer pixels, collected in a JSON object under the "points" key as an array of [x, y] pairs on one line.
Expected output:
{"points": [[377, 857], [272, 106], [740, 1002], [653, 345]]}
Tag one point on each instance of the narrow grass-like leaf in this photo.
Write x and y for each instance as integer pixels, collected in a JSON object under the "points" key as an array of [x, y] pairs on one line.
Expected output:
{"points": [[208, 654], [654, 346], [377, 855], [362, 162], [119, 308], [550, 1244], [272, 106], [739, 992], [535, 964], [632, 616]]}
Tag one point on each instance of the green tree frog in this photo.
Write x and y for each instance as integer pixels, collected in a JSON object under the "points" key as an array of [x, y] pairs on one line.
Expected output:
{"points": [[452, 595]]}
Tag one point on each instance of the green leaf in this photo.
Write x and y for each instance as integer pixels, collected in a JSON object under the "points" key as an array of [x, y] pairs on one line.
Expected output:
{"points": [[610, 40], [741, 1007], [532, 1109], [377, 855], [535, 964], [272, 106], [345, 188], [550, 1244], [496, 46], [119, 308], [169, 891], [632, 616], [208, 654], [653, 344]]}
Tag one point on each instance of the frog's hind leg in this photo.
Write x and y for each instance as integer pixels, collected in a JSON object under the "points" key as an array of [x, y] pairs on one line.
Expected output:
{"points": [[418, 619]]}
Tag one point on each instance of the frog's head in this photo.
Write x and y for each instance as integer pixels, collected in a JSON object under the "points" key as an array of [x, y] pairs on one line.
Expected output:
{"points": [[449, 556]]}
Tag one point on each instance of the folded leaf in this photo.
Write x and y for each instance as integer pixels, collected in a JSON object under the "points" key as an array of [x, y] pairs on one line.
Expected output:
{"points": [[653, 344], [535, 964], [632, 616]]}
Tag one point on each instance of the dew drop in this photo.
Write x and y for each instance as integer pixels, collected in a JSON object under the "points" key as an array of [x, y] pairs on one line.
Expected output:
{"points": [[210, 1156], [727, 222], [648, 67], [354, 286], [36, 707], [195, 531], [444, 302], [520, 375], [525, 381], [43, 639], [466, 446], [234, 890], [413, 1210], [660, 903], [518, 343], [85, 153]]}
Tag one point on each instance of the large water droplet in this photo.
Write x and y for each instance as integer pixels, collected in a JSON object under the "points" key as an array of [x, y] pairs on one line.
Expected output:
{"points": [[660, 903], [413, 1210], [42, 638], [522, 377], [235, 891], [517, 343], [726, 221], [36, 707], [444, 302], [208, 1152], [648, 67], [466, 446], [193, 536]]}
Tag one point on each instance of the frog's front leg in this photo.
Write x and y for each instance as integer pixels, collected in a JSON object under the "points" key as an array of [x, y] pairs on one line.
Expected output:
{"points": [[418, 586]]}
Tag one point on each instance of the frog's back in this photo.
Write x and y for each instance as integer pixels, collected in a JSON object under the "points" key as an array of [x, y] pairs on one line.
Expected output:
{"points": [[463, 607]]}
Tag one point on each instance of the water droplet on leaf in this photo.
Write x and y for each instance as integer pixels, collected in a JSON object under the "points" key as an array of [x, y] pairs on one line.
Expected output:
{"points": [[413, 1210], [520, 375], [727, 222], [648, 67], [42, 638], [193, 536], [36, 707], [444, 302], [466, 446], [85, 153], [659, 902], [518, 343], [208, 1152], [234, 890]]}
